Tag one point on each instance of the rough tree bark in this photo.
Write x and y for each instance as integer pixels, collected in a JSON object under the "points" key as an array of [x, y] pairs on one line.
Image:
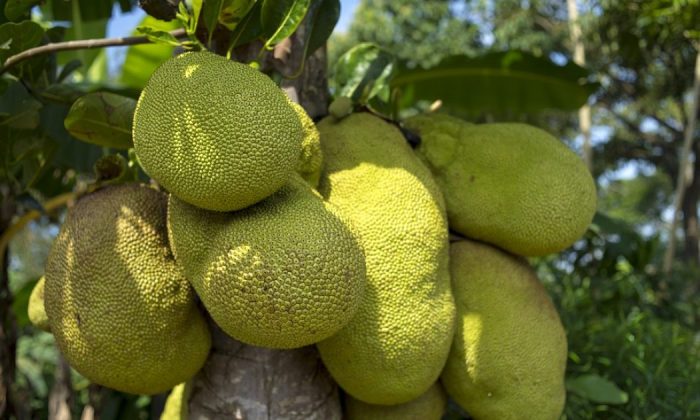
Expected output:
{"points": [[245, 382], [8, 329], [61, 396]]}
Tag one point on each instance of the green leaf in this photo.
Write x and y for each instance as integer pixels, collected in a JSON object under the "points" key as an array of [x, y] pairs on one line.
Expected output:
{"points": [[142, 60], [18, 37], [499, 82], [210, 15], [70, 153], [363, 73], [323, 19], [157, 36], [19, 9], [103, 119], [20, 303], [597, 389], [87, 30], [18, 109], [233, 12], [280, 18], [89, 10], [249, 28], [67, 69]]}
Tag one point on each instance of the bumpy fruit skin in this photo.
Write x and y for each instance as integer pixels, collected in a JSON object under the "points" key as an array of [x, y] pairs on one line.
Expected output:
{"points": [[429, 406], [508, 357], [394, 348], [121, 310], [216, 133], [311, 157], [35, 309], [508, 184], [284, 273]]}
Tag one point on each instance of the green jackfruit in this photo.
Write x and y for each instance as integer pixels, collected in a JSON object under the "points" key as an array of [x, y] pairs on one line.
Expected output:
{"points": [[216, 133], [35, 309], [394, 348], [121, 310], [508, 358], [284, 273], [176, 407], [311, 158], [511, 185], [429, 406]]}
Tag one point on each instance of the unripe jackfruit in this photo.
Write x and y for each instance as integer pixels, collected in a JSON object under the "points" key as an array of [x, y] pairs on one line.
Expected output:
{"points": [[508, 357], [35, 309], [121, 310], [216, 133], [508, 184], [392, 351], [429, 406], [311, 158], [284, 273]]}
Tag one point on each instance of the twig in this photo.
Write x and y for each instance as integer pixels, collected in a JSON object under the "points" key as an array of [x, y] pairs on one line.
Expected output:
{"points": [[79, 45]]}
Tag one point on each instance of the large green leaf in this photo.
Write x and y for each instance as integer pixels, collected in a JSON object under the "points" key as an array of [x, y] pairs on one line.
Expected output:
{"points": [[211, 9], [597, 389], [233, 12], [18, 109], [89, 10], [363, 73], [280, 18], [500, 82], [19, 9], [142, 60], [323, 16], [18, 37], [102, 118]]}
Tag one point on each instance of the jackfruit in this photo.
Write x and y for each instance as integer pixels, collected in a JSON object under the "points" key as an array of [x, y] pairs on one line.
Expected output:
{"points": [[508, 184], [216, 133], [311, 158], [393, 350], [121, 310], [35, 309], [509, 354], [284, 273], [429, 406], [176, 405]]}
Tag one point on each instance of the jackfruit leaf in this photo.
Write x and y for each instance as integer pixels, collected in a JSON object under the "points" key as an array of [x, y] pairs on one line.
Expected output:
{"points": [[157, 36], [102, 118], [62, 93], [499, 82], [18, 37], [69, 153], [19, 9], [248, 28], [18, 109], [363, 73], [597, 389], [233, 12], [211, 9], [111, 169], [67, 69], [142, 60], [323, 16], [20, 303], [280, 18]]}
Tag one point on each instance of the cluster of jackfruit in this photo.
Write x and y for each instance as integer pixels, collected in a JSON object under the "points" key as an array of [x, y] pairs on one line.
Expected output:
{"points": [[288, 234]]}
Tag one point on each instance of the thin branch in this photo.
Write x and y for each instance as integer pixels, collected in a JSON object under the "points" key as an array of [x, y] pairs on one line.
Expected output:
{"points": [[80, 45]]}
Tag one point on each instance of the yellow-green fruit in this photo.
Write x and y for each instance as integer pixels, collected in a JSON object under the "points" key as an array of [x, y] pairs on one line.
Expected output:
{"points": [[508, 358], [508, 184], [394, 348], [121, 310], [176, 405], [284, 273], [311, 158], [216, 133], [36, 310], [429, 406]]}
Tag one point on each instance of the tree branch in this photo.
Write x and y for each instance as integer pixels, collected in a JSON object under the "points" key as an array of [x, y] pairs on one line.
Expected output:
{"points": [[79, 45]]}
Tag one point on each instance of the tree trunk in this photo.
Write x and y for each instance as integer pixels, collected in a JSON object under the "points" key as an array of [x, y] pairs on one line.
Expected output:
{"points": [[240, 381], [60, 398], [8, 329], [691, 228], [584, 113]]}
